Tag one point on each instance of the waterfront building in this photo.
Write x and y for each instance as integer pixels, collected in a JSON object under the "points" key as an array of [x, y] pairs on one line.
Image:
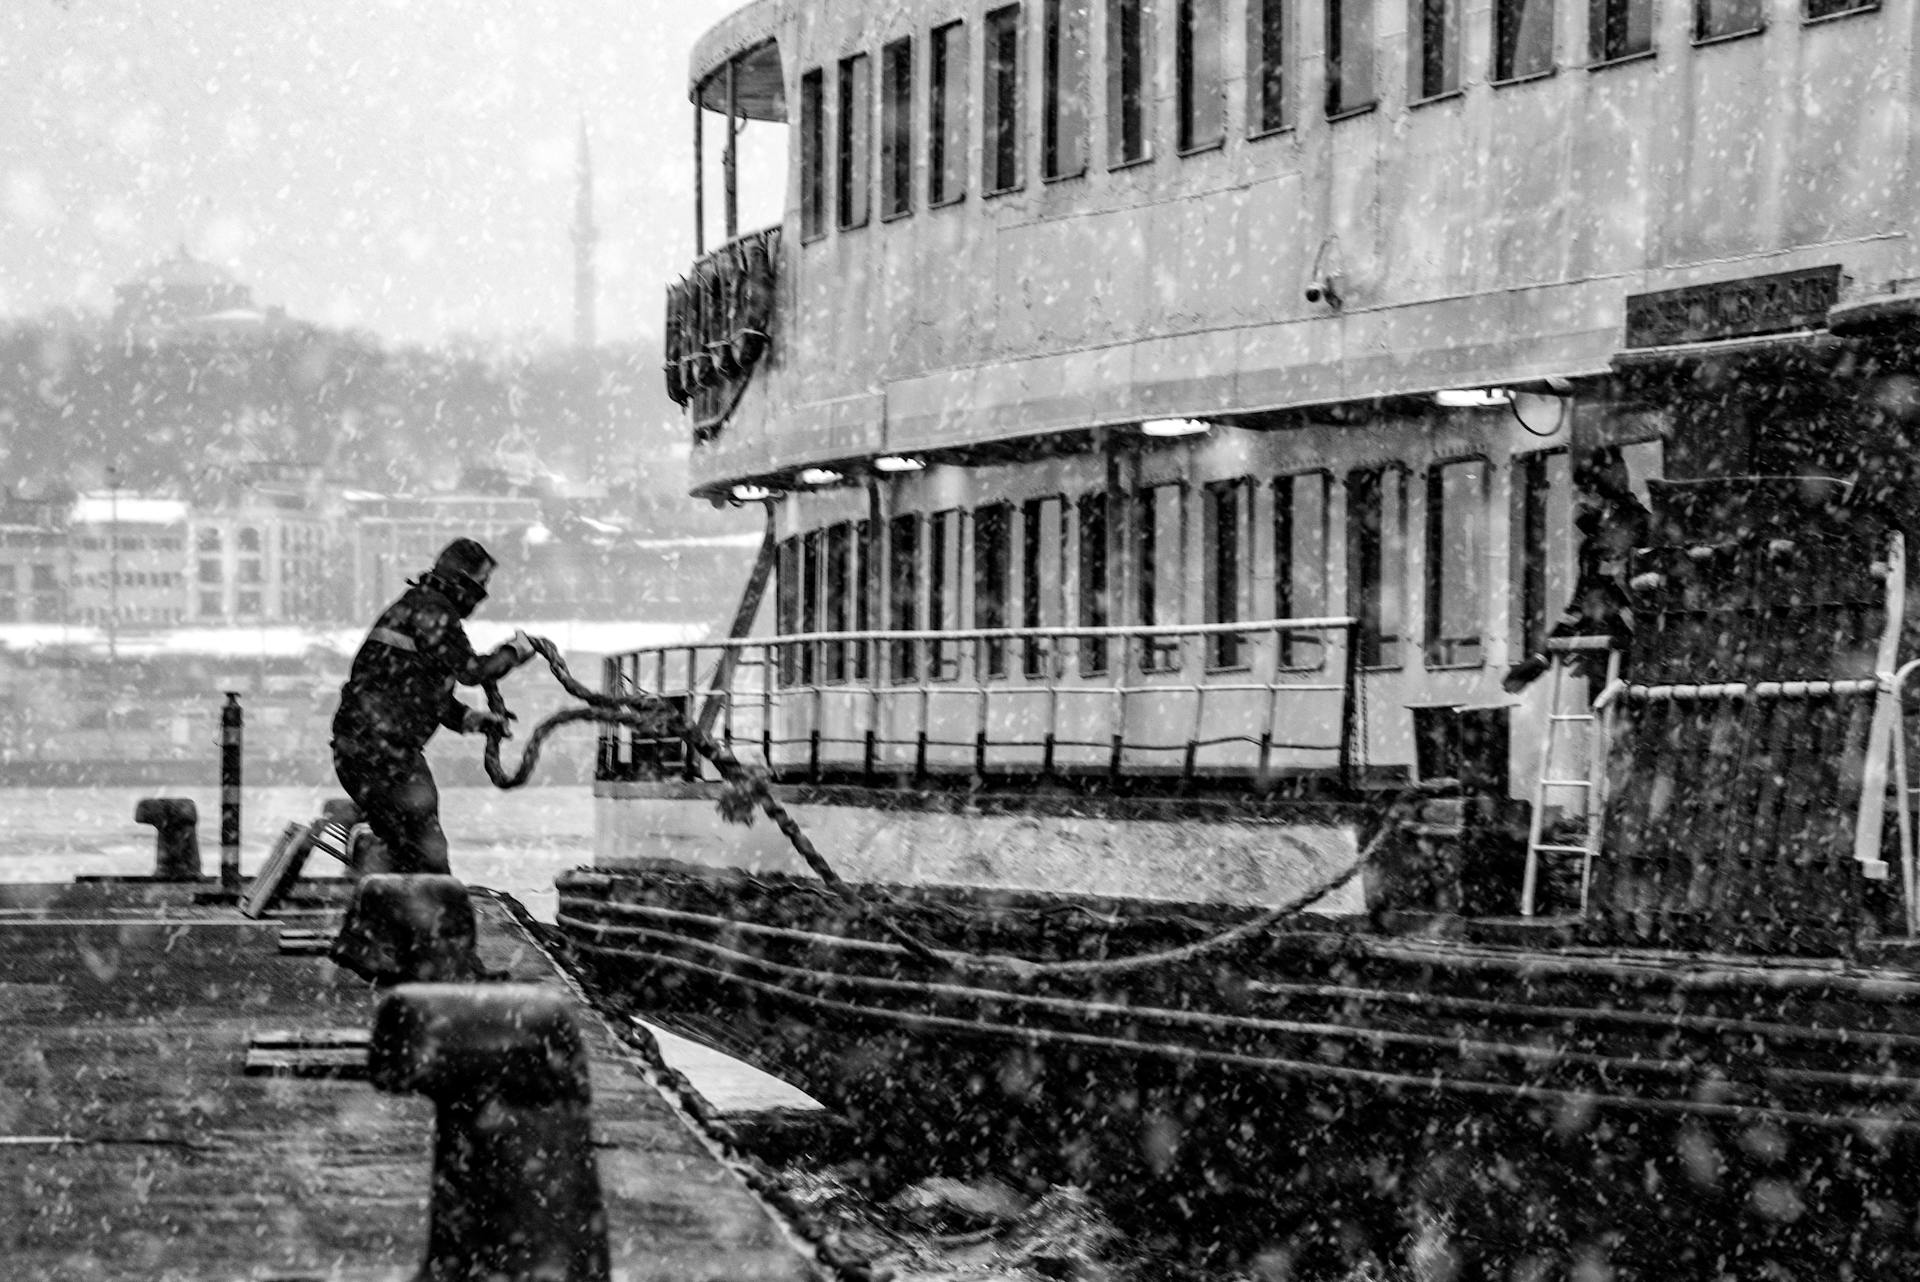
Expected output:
{"points": [[127, 560]]}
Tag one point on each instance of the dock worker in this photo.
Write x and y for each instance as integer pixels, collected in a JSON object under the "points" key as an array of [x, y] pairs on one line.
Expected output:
{"points": [[401, 689]]}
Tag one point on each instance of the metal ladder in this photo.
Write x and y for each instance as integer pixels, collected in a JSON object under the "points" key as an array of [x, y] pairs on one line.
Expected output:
{"points": [[1597, 719]]}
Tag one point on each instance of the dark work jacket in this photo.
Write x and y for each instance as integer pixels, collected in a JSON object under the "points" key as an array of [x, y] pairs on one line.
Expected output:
{"points": [[400, 689]]}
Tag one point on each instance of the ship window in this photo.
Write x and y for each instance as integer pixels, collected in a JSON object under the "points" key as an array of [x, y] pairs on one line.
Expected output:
{"points": [[896, 129], [813, 155], [1543, 554], [1817, 9], [1349, 56], [992, 572], [1127, 96], [1718, 19], [1159, 569], [1300, 563], [838, 594], [856, 117], [1522, 38], [865, 586], [1266, 66], [1063, 127], [943, 592], [947, 115], [1229, 556], [1000, 91], [1376, 562], [1197, 74], [903, 587], [1456, 554], [810, 552], [1095, 583], [1436, 47], [1619, 29], [1043, 540]]}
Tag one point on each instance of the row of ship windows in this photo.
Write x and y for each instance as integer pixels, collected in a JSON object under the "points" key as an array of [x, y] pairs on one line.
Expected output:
{"points": [[1522, 49], [1266, 548]]}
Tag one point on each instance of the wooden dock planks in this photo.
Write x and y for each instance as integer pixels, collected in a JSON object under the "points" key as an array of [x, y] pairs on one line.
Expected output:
{"points": [[136, 1143]]}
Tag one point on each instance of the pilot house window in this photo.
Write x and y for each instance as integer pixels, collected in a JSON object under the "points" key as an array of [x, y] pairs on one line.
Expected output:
{"points": [[1063, 125], [1127, 96], [1619, 29], [1197, 74], [1349, 56], [1522, 38], [1266, 66], [903, 592], [1000, 87], [853, 148], [1095, 582], [947, 115], [1717, 19], [813, 155], [1436, 67], [992, 576], [896, 129]]}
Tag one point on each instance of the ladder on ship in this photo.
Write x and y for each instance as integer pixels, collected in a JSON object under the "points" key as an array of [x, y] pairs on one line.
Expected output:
{"points": [[1544, 841]]}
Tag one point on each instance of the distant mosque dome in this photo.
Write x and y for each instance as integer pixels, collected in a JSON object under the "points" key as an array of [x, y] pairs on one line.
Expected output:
{"points": [[178, 290]]}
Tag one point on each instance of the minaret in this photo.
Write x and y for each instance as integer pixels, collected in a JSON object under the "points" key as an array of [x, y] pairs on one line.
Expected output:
{"points": [[585, 238]]}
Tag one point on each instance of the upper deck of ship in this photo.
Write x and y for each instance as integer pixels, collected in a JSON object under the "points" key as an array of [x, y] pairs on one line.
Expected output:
{"points": [[1004, 220]]}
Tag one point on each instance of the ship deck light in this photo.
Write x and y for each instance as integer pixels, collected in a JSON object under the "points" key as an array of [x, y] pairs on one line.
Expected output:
{"points": [[1175, 427], [898, 463], [819, 476], [1473, 398], [752, 493]]}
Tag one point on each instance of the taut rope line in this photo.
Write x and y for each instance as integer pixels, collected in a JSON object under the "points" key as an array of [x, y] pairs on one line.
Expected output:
{"points": [[752, 789]]}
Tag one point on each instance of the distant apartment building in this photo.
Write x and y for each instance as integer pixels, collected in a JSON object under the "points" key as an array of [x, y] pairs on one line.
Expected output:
{"points": [[127, 560], [391, 540], [264, 555], [33, 554]]}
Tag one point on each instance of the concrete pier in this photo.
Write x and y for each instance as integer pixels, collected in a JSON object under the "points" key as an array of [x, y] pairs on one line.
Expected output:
{"points": [[181, 1099]]}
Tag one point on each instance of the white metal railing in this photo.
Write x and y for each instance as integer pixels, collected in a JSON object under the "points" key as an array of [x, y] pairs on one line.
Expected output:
{"points": [[1255, 699]]}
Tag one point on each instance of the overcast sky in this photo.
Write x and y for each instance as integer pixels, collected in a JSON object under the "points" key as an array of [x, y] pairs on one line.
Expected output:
{"points": [[406, 166]]}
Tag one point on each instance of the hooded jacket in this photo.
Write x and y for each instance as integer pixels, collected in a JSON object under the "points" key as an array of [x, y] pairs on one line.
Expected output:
{"points": [[401, 686]]}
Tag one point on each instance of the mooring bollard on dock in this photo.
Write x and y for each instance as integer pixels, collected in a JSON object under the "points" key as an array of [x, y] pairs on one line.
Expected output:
{"points": [[516, 1191], [176, 836], [409, 928]]}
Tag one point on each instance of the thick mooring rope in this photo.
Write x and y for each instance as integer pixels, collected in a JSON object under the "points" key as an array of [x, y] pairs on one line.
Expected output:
{"points": [[646, 711]]}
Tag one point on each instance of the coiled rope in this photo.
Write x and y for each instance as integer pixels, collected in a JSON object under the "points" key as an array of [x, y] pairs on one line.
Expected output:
{"points": [[643, 710]]}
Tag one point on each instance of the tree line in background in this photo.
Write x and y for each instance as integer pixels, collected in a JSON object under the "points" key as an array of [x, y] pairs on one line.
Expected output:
{"points": [[83, 400]]}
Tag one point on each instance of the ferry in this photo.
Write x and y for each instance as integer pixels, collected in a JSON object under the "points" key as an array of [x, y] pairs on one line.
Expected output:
{"points": [[1436, 478]]}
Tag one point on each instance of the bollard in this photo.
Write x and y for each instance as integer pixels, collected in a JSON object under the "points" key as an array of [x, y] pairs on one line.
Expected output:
{"points": [[516, 1192], [230, 793], [176, 836], [408, 929]]}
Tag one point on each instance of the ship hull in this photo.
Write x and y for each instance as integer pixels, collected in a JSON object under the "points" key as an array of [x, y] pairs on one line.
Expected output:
{"points": [[1527, 1099]]}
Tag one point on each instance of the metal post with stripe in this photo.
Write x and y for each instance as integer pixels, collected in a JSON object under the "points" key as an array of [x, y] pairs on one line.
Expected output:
{"points": [[230, 723]]}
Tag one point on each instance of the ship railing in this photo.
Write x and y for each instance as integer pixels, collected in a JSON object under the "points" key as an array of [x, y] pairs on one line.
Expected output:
{"points": [[1246, 701]]}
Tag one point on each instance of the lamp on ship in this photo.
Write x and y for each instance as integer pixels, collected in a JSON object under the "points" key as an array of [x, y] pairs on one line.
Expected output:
{"points": [[819, 476], [752, 493], [898, 463], [1175, 427]]}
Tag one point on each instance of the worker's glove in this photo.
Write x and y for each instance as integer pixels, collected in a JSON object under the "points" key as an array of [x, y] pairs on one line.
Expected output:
{"points": [[524, 648], [488, 723], [741, 796]]}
